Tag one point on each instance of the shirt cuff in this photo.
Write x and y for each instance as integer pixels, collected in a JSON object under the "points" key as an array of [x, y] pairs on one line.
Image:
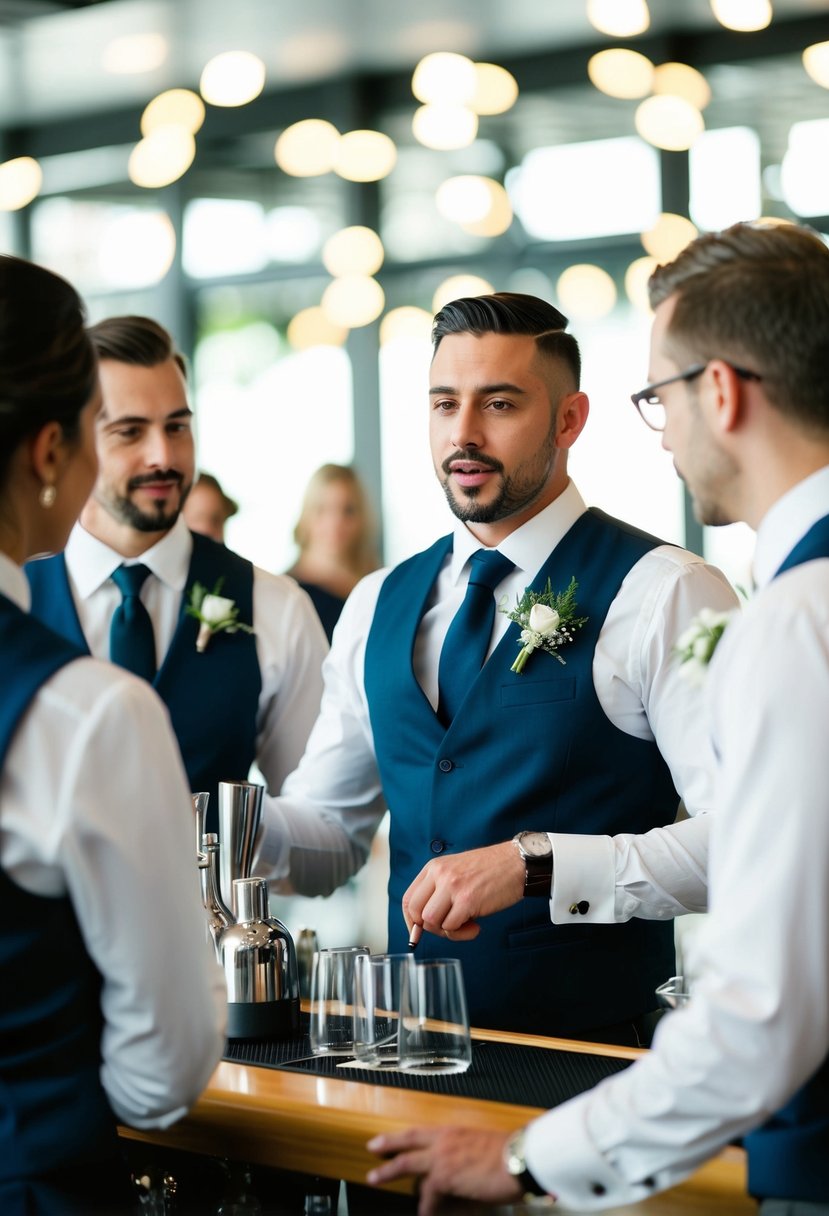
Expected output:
{"points": [[562, 1157], [584, 879]]}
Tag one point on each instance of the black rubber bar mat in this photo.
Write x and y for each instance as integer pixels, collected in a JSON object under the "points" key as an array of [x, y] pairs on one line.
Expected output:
{"points": [[499, 1072]]}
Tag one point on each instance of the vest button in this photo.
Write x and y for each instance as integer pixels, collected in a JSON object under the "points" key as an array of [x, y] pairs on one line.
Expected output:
{"points": [[445, 766], [437, 846], [598, 1189]]}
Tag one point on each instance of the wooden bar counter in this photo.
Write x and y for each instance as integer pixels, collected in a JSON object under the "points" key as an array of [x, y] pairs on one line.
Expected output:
{"points": [[316, 1125]]}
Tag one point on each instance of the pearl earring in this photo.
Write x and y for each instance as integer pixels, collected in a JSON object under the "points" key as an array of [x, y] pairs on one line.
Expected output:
{"points": [[47, 496]]}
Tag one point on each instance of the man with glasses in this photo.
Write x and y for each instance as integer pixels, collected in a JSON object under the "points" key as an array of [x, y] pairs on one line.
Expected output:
{"points": [[740, 365], [648, 400], [425, 712]]}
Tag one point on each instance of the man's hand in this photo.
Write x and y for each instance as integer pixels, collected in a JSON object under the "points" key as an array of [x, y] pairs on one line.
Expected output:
{"points": [[451, 892], [449, 1161]]}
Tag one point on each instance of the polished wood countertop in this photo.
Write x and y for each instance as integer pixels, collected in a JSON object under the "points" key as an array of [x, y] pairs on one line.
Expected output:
{"points": [[317, 1125]]}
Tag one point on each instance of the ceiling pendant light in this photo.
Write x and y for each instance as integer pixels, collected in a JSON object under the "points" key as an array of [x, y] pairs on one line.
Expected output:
{"points": [[621, 73], [745, 16], [669, 122], [233, 78], [816, 63], [307, 148], [619, 18], [20, 182]]}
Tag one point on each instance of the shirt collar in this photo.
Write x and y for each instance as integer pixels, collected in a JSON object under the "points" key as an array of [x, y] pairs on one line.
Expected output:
{"points": [[788, 521], [528, 546], [90, 562], [14, 584]]}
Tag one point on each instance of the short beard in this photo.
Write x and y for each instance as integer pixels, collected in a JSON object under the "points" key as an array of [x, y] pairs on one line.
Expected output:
{"points": [[126, 512], [508, 503], [515, 494]]}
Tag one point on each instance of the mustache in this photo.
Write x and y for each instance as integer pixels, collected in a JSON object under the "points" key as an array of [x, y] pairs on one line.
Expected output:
{"points": [[151, 479], [475, 457]]}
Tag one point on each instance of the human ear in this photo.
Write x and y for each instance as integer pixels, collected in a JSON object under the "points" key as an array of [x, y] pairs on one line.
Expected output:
{"points": [[570, 418], [726, 400], [48, 453]]}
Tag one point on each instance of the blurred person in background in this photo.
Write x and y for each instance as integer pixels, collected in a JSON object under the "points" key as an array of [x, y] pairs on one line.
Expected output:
{"points": [[336, 538], [207, 508], [113, 1006]]}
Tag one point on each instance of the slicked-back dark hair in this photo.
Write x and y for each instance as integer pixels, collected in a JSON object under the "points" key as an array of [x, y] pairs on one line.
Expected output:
{"points": [[48, 368], [510, 312], [139, 341], [758, 296]]}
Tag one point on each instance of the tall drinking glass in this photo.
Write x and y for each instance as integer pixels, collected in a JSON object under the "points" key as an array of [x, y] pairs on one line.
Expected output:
{"points": [[379, 980], [332, 998], [434, 1023]]}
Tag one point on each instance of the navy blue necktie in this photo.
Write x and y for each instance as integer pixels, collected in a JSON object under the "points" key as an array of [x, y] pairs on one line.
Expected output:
{"points": [[131, 637], [467, 639]]}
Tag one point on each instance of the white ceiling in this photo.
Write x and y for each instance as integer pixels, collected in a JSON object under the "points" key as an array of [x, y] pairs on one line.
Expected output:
{"points": [[50, 61]]}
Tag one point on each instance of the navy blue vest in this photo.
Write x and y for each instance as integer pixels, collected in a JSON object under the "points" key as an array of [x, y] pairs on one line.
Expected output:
{"points": [[788, 1157], [212, 697], [534, 751], [53, 1111]]}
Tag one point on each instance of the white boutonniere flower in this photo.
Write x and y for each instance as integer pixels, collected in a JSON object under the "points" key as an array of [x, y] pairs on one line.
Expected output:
{"points": [[547, 619], [215, 614], [696, 645]]}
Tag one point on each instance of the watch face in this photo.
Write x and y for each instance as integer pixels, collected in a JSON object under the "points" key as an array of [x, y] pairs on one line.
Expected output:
{"points": [[536, 844], [514, 1155]]}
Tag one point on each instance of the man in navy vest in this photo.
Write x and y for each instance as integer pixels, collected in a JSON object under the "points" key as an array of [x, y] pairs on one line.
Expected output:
{"points": [[424, 711], [740, 389], [131, 571]]}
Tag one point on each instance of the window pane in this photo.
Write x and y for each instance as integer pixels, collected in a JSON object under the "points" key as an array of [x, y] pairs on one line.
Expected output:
{"points": [[560, 193], [617, 463], [725, 178], [103, 246], [267, 416]]}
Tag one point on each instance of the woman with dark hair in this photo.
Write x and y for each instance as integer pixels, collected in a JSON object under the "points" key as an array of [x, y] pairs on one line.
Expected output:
{"points": [[113, 1006]]}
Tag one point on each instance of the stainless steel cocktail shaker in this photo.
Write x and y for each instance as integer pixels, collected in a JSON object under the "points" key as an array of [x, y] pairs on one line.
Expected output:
{"points": [[240, 808], [259, 961]]}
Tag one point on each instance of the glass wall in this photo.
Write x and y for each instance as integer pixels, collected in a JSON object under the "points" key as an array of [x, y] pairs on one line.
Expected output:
{"points": [[227, 256]]}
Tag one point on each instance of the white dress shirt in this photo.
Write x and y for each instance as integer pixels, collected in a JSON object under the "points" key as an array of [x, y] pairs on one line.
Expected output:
{"points": [[757, 1025], [95, 806], [319, 831], [290, 642]]}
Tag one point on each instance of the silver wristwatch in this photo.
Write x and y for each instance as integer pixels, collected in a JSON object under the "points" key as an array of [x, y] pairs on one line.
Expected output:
{"points": [[537, 855], [515, 1164]]}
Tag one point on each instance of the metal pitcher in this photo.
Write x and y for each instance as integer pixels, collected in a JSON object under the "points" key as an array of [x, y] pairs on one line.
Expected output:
{"points": [[259, 962]]}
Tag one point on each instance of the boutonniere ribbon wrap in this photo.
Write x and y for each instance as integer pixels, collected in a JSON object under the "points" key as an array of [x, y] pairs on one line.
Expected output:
{"points": [[215, 614], [696, 645], [548, 620]]}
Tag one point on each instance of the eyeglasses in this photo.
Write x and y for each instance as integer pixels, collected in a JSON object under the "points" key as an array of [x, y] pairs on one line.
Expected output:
{"points": [[651, 408]]}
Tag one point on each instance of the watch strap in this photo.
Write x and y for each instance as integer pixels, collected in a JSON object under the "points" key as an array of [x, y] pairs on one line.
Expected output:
{"points": [[538, 877], [517, 1166]]}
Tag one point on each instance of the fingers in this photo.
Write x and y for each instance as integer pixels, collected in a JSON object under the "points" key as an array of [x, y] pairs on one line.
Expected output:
{"points": [[407, 1154], [400, 1166], [396, 1142], [464, 933]]}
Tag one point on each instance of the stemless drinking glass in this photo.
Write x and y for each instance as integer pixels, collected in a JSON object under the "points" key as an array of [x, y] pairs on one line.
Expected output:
{"points": [[434, 1023], [332, 996], [379, 980]]}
